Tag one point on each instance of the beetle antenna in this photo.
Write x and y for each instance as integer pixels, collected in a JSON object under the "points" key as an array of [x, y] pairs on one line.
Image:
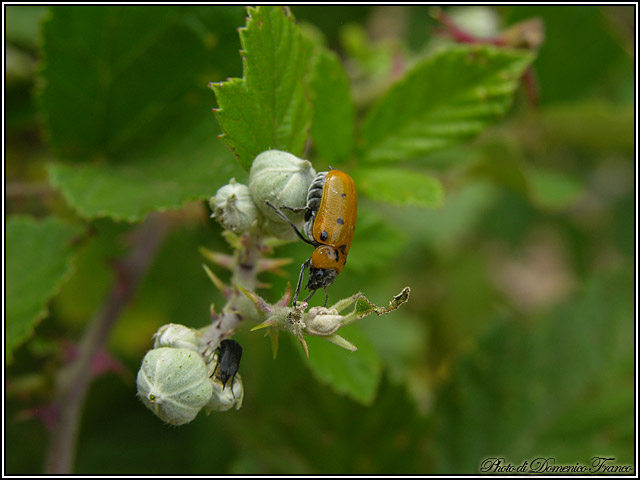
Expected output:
{"points": [[295, 229]]}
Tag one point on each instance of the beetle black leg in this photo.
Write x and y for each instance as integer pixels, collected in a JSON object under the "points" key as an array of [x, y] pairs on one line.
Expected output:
{"points": [[326, 297], [304, 265], [313, 292], [295, 229]]}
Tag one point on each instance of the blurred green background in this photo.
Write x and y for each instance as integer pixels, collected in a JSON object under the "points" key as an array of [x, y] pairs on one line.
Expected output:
{"points": [[518, 339]]}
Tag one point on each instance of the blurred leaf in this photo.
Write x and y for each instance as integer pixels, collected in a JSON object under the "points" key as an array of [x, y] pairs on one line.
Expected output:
{"points": [[267, 109], [39, 259], [445, 228], [121, 86], [367, 57], [375, 243], [501, 160], [399, 187], [553, 189], [534, 380], [333, 127], [22, 23], [446, 99], [331, 18], [93, 274], [398, 339], [579, 36], [510, 217], [461, 321], [175, 290], [589, 125], [115, 76], [356, 374], [160, 180]]}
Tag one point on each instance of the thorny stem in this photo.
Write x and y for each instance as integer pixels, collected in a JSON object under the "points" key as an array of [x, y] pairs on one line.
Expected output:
{"points": [[75, 378], [245, 271]]}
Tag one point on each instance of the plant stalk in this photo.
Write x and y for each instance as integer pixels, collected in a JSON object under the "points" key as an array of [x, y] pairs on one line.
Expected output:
{"points": [[75, 378]]}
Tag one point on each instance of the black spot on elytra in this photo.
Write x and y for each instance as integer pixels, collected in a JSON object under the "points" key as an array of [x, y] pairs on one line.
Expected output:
{"points": [[343, 195], [342, 247], [335, 252], [324, 235], [340, 221]]}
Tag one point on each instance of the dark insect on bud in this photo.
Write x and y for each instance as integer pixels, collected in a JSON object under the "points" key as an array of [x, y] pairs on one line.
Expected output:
{"points": [[229, 355]]}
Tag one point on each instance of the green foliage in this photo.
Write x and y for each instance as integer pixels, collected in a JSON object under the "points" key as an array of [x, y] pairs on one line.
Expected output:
{"points": [[334, 113], [555, 190], [443, 229], [399, 187], [124, 89], [511, 221], [445, 99], [157, 181], [23, 23], [267, 109], [536, 378], [39, 258], [356, 374], [564, 46], [377, 243]]}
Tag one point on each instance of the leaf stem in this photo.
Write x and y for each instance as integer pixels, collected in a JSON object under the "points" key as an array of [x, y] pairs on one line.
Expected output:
{"points": [[75, 378]]}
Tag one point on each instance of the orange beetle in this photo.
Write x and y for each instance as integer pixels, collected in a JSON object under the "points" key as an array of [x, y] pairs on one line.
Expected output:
{"points": [[330, 220]]}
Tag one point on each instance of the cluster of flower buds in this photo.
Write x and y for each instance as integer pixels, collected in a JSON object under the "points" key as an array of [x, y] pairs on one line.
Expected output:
{"points": [[277, 177], [319, 321], [182, 374], [176, 381]]}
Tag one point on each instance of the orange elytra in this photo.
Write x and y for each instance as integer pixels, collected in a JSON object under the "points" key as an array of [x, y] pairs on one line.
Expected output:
{"points": [[330, 220]]}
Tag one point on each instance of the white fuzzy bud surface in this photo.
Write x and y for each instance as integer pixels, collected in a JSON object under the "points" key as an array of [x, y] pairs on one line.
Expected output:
{"points": [[175, 335], [174, 384], [226, 398], [233, 207], [282, 179]]}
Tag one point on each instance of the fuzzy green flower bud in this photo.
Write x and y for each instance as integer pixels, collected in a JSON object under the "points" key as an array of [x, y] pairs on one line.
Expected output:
{"points": [[175, 335], [282, 179], [174, 384], [233, 207], [225, 398]]}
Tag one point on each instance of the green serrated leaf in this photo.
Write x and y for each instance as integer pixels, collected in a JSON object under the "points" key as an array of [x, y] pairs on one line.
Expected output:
{"points": [[159, 181], [267, 109], [356, 374], [363, 307], [333, 128], [125, 87], [116, 76], [445, 99], [39, 258], [399, 187]]}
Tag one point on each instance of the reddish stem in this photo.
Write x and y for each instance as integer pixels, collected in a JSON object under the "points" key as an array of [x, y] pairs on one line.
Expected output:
{"points": [[462, 36], [74, 379]]}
